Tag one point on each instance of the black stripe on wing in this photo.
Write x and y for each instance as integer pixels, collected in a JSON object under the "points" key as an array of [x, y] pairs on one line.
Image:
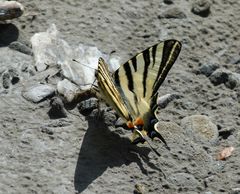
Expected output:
{"points": [[109, 91], [134, 63], [116, 78], [171, 50], [146, 58], [129, 75], [154, 50]]}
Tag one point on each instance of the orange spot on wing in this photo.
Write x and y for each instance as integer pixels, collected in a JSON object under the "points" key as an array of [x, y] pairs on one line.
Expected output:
{"points": [[138, 121], [130, 125]]}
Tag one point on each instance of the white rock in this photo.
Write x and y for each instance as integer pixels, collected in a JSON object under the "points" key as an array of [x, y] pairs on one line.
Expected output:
{"points": [[82, 71], [78, 64], [49, 49], [37, 93], [67, 89]]}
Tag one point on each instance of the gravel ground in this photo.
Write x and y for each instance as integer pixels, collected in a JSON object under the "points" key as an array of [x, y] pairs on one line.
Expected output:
{"points": [[79, 154]]}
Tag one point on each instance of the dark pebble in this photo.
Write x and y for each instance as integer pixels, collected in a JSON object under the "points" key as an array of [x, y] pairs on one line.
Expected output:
{"points": [[57, 109], [230, 79], [18, 46], [208, 69], [6, 80], [233, 80], [219, 77], [47, 130], [86, 107], [168, 2], [201, 8], [14, 76]]}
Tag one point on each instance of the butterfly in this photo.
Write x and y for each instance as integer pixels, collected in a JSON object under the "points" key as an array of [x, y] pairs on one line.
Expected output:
{"points": [[132, 90]]}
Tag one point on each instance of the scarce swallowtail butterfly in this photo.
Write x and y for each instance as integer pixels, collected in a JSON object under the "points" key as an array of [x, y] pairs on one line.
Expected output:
{"points": [[132, 90]]}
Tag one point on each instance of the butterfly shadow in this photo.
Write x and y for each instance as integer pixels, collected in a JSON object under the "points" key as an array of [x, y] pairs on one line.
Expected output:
{"points": [[102, 149]]}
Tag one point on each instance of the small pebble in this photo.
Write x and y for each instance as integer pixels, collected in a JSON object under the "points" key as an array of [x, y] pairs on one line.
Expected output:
{"points": [[230, 79], [233, 80], [47, 130], [219, 76], [168, 1], [174, 13], [18, 46], [14, 76], [38, 93], [225, 153], [208, 69], [86, 107], [57, 109], [201, 8], [6, 80], [139, 189], [67, 89]]}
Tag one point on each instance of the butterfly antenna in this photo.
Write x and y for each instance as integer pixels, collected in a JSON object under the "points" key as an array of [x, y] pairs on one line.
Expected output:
{"points": [[83, 64], [93, 83], [158, 135]]}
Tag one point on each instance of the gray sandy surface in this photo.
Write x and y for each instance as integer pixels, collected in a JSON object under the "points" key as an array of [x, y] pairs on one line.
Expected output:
{"points": [[79, 154]]}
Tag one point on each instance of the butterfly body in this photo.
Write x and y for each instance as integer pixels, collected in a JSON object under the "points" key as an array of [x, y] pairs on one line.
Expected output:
{"points": [[133, 89]]}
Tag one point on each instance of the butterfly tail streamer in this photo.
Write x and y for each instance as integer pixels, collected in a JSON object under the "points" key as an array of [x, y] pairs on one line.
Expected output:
{"points": [[153, 149], [142, 139]]}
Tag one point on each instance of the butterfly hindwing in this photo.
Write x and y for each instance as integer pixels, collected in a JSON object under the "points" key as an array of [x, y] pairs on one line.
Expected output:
{"points": [[140, 78]]}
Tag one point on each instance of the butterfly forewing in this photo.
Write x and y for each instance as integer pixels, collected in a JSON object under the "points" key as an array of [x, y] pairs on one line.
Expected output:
{"points": [[169, 54], [109, 92]]}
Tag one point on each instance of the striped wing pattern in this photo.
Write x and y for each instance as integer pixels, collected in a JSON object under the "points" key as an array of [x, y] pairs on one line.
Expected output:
{"points": [[139, 79], [109, 92]]}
